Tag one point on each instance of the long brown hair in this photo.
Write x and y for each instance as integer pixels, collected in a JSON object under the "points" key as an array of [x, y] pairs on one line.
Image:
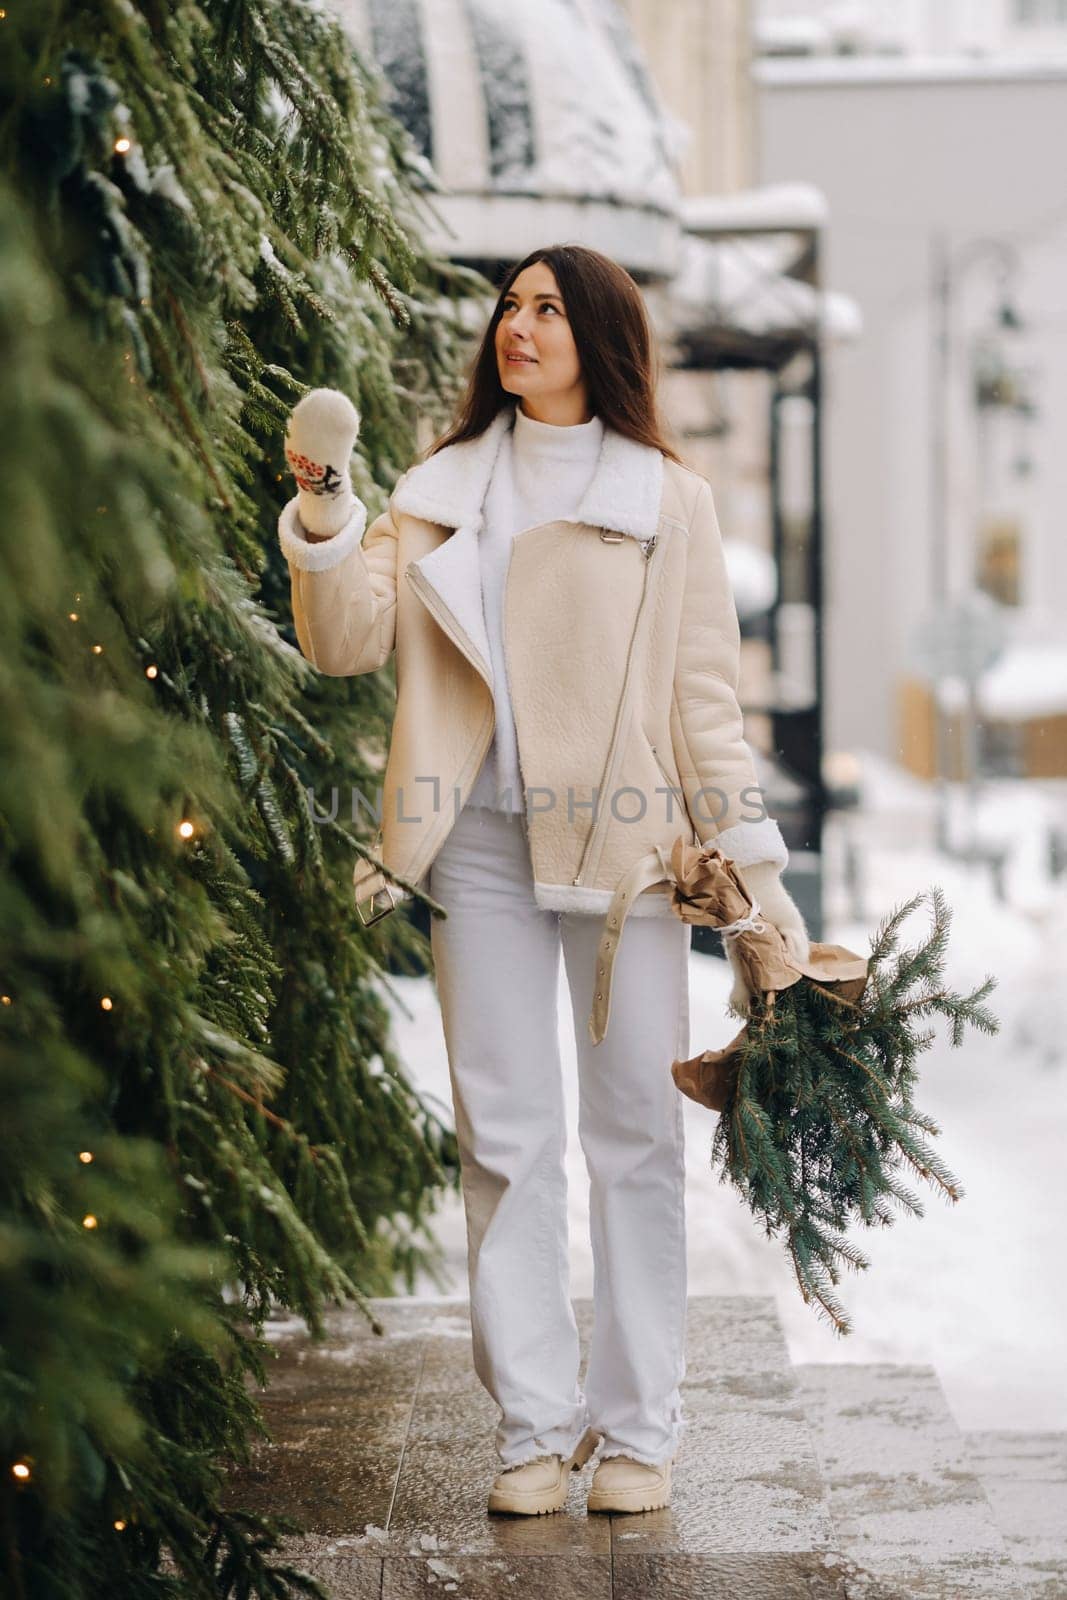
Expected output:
{"points": [[616, 350]]}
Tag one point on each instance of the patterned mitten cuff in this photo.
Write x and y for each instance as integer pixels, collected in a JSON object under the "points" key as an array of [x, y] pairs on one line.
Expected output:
{"points": [[322, 431]]}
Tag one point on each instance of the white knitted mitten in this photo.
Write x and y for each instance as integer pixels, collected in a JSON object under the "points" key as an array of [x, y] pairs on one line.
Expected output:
{"points": [[322, 430], [763, 880]]}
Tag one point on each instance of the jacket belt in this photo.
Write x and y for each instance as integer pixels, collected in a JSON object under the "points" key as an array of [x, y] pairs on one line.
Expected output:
{"points": [[647, 870]]}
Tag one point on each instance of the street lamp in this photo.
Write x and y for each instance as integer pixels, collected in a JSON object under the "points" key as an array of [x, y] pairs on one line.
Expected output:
{"points": [[993, 381]]}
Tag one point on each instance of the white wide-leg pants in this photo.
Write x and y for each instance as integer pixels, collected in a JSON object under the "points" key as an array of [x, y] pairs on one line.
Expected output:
{"points": [[496, 959]]}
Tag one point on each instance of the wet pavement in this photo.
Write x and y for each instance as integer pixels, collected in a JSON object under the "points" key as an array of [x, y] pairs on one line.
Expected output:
{"points": [[825, 1482]]}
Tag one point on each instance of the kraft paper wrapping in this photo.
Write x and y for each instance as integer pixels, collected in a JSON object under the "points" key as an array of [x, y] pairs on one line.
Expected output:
{"points": [[706, 888]]}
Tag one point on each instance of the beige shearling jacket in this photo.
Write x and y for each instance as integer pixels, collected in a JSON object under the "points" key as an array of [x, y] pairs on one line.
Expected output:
{"points": [[623, 650]]}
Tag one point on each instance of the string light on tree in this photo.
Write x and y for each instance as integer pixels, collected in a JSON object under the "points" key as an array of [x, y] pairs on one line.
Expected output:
{"points": [[21, 1471], [109, 1349]]}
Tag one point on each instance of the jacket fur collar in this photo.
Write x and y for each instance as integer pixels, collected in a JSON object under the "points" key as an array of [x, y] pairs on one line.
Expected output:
{"points": [[449, 488]]}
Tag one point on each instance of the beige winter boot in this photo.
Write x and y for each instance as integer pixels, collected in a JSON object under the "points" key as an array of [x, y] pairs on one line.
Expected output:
{"points": [[540, 1485], [622, 1484]]}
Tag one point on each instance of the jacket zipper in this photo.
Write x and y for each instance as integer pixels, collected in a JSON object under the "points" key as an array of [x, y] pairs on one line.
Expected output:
{"points": [[507, 669], [446, 621], [660, 765], [648, 547]]}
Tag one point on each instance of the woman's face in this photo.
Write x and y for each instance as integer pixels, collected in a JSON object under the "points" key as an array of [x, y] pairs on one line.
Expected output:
{"points": [[535, 350]]}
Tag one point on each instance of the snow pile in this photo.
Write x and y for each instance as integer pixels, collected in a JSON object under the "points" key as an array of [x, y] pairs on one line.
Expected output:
{"points": [[1029, 680]]}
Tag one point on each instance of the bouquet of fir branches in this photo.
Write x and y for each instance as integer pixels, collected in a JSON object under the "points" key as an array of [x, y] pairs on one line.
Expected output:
{"points": [[817, 1121]]}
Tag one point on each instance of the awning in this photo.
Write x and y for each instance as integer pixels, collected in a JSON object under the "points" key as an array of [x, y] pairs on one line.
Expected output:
{"points": [[743, 283], [537, 121], [746, 293]]}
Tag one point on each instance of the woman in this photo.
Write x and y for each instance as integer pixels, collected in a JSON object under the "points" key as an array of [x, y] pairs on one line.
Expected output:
{"points": [[551, 577]]}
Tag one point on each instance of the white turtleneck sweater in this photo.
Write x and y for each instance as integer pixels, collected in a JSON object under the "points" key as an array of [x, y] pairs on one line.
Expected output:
{"points": [[542, 471]]}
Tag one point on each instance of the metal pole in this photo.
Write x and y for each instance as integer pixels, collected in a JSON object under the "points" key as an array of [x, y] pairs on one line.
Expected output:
{"points": [[940, 400], [815, 585]]}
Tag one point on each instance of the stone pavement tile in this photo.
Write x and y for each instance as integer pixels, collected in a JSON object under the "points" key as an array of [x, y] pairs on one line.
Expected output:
{"points": [[905, 1502], [583, 1316], [409, 1318], [448, 1370], [734, 1333], [345, 1576], [734, 1577], [494, 1577], [447, 1418], [381, 1421], [443, 1492], [718, 1505], [353, 1368], [1024, 1475], [745, 1479], [331, 1483]]}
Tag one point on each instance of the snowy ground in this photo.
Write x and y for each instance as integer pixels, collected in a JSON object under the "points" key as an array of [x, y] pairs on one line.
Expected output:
{"points": [[976, 1288]]}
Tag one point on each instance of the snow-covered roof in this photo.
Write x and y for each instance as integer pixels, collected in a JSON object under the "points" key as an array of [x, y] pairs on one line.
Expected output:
{"points": [[773, 205], [818, 71], [743, 284], [539, 119], [846, 28]]}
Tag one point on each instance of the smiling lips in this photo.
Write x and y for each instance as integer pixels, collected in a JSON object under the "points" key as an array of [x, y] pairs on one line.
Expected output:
{"points": [[513, 355]]}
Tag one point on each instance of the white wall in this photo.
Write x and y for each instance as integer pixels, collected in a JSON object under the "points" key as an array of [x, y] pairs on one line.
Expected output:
{"points": [[897, 160], [699, 55]]}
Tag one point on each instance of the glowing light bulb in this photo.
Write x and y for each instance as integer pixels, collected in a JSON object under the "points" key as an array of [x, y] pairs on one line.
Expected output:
{"points": [[151, 672], [122, 145], [106, 1002], [85, 1156], [89, 1221], [186, 829], [20, 1471]]}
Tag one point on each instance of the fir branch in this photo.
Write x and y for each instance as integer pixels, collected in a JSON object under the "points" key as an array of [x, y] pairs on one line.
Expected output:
{"points": [[820, 1118]]}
